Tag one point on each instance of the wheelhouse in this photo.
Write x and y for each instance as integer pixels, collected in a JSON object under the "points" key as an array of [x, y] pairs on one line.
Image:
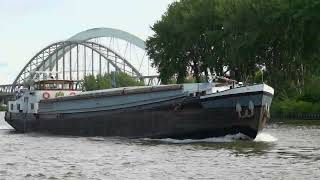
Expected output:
{"points": [[57, 85], [27, 99]]}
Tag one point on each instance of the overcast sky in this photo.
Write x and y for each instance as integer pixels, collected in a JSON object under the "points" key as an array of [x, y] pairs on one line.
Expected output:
{"points": [[27, 26]]}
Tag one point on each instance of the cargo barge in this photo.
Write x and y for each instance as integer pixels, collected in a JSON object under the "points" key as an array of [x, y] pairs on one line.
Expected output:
{"points": [[188, 111]]}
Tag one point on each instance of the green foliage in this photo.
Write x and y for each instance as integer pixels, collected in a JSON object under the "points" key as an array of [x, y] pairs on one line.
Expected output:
{"points": [[182, 41], [202, 37], [187, 80], [124, 80], [258, 77], [103, 82], [90, 83], [2, 108], [205, 36], [107, 81], [311, 92], [288, 107], [306, 102]]}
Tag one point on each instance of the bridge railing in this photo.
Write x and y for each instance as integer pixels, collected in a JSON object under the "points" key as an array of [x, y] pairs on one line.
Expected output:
{"points": [[6, 89], [9, 89]]}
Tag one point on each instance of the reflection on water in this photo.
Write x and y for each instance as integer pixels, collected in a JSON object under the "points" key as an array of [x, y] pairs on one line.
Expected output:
{"points": [[281, 151]]}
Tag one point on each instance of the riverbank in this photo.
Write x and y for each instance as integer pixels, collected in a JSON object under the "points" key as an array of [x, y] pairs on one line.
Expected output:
{"points": [[297, 122], [302, 107], [297, 116]]}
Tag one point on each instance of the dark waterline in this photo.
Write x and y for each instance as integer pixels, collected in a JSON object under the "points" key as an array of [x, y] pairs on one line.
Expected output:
{"points": [[281, 151]]}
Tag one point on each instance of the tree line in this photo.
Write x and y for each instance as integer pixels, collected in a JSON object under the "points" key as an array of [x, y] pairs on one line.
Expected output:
{"points": [[253, 41], [107, 81], [247, 39]]}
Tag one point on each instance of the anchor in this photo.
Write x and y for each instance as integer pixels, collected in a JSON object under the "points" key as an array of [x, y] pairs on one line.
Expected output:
{"points": [[245, 112]]}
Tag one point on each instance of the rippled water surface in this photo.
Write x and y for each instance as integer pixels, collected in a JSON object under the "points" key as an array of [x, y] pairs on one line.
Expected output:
{"points": [[282, 151]]}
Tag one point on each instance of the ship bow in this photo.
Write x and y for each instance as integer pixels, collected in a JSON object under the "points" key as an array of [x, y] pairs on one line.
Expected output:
{"points": [[240, 110]]}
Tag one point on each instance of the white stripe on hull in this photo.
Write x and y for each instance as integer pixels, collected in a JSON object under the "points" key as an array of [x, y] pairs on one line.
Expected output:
{"points": [[245, 89]]}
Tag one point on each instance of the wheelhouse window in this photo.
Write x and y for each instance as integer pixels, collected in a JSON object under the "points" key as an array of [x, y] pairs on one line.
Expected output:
{"points": [[32, 106], [11, 107], [59, 86], [18, 107], [56, 85], [66, 86]]}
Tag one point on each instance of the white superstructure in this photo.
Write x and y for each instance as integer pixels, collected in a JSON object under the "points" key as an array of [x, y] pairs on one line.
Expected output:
{"points": [[27, 99]]}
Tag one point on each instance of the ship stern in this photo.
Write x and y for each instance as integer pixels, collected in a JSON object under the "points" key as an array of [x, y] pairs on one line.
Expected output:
{"points": [[21, 122]]}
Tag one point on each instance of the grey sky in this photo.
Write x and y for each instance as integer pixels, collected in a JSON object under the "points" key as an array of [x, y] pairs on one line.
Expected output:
{"points": [[27, 26]]}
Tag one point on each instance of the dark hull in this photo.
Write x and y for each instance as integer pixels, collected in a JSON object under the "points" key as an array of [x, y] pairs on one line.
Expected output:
{"points": [[181, 118]]}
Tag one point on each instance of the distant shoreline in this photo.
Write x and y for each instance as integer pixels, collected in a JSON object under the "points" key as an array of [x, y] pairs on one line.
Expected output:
{"points": [[297, 116]]}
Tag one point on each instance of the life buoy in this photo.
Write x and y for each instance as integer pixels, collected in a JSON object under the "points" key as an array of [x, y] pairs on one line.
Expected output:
{"points": [[72, 94], [46, 95]]}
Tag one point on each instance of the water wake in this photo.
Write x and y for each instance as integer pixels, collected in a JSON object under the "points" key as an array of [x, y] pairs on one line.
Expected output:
{"points": [[5, 127], [227, 138], [264, 137]]}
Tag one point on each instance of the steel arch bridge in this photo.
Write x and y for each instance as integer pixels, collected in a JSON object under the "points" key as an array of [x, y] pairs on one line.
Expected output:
{"points": [[84, 54]]}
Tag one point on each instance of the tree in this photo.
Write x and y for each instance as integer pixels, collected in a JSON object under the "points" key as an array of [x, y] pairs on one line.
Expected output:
{"points": [[124, 80], [275, 34], [107, 81], [90, 83], [241, 36], [184, 43]]}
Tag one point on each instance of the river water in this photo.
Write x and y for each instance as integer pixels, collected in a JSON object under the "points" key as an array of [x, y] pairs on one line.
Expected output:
{"points": [[281, 151]]}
